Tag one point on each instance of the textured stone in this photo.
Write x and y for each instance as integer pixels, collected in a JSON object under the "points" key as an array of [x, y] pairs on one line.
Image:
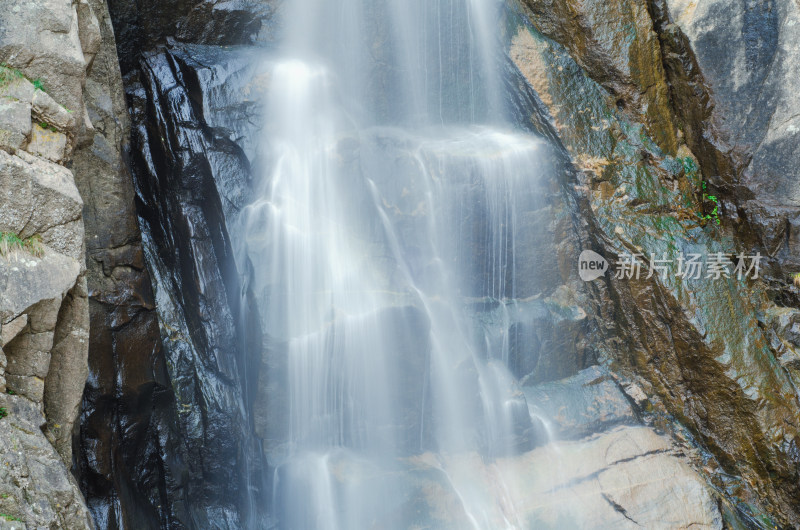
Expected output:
{"points": [[11, 329], [29, 359], [749, 55], [35, 485], [68, 368], [15, 123], [26, 280], [88, 31], [35, 195], [128, 420], [47, 143], [47, 110], [697, 348], [3, 362], [616, 44], [41, 39], [27, 386], [626, 478], [42, 43]]}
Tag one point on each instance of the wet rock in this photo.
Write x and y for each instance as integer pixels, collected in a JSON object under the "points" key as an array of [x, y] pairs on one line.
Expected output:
{"points": [[227, 22], [128, 432], [616, 44], [629, 477], [633, 197], [142, 25], [197, 289], [582, 405]]}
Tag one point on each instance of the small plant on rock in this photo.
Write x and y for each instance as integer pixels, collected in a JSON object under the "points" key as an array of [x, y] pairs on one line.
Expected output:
{"points": [[9, 75], [10, 242], [38, 85], [3, 412]]}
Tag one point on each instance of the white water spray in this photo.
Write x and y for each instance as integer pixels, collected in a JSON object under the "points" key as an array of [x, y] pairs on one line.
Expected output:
{"points": [[389, 208]]}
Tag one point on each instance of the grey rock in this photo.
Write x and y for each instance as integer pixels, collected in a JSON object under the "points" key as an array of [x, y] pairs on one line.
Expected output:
{"points": [[47, 45], [68, 368], [586, 403], [15, 123], [88, 31], [30, 355], [36, 196], [44, 315], [3, 362], [748, 53], [25, 280], [46, 109], [18, 88], [28, 386], [11, 329], [629, 477], [42, 40], [35, 486], [48, 144]]}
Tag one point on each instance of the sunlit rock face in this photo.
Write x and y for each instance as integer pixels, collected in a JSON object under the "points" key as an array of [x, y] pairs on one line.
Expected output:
{"points": [[688, 343]]}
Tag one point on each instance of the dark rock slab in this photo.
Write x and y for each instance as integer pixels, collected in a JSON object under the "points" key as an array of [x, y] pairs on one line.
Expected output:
{"points": [[189, 179]]}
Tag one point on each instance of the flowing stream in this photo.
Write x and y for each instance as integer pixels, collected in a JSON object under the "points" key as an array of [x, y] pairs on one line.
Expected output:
{"points": [[387, 221]]}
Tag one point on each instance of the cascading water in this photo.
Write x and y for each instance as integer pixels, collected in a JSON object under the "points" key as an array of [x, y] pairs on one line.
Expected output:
{"points": [[385, 229]]}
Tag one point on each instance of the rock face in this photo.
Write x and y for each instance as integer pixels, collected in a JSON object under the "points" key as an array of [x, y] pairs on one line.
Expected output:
{"points": [[623, 474], [46, 49], [128, 410], [584, 404], [629, 477], [699, 349], [191, 179], [36, 489], [748, 55], [647, 97]]}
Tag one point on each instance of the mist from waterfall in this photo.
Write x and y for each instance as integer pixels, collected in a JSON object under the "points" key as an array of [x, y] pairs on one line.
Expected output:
{"points": [[386, 220]]}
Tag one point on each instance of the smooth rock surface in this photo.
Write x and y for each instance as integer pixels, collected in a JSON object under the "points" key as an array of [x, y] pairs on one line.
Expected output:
{"points": [[581, 405], [626, 478]]}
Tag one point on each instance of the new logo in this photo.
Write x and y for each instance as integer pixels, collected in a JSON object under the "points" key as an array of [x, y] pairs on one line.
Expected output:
{"points": [[591, 265]]}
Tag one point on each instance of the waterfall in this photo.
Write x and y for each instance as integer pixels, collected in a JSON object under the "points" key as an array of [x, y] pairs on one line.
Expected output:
{"points": [[384, 229]]}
